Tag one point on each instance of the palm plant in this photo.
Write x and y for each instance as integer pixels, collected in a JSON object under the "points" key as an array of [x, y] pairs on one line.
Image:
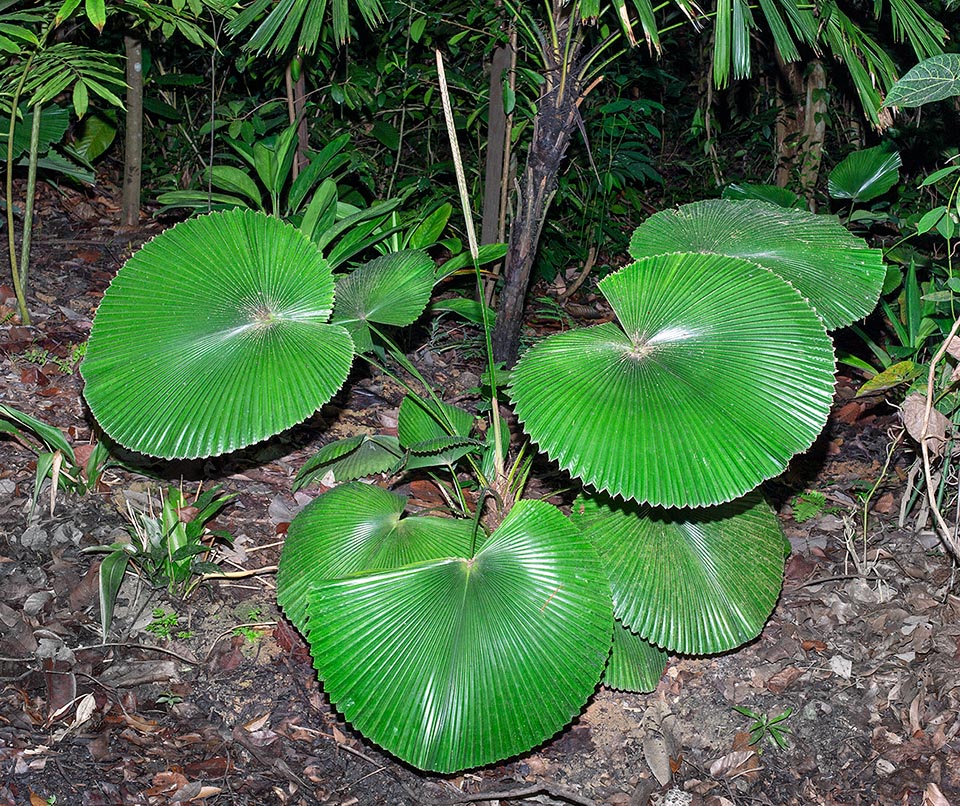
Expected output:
{"points": [[41, 71], [457, 640]]}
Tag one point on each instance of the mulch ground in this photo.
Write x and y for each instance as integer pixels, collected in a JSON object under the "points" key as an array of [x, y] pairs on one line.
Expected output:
{"points": [[221, 704]]}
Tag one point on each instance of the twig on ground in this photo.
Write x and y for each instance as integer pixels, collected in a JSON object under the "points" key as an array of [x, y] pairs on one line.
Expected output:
{"points": [[556, 792], [946, 535]]}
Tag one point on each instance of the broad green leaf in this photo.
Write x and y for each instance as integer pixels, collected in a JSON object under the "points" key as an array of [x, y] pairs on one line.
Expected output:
{"points": [[461, 662], [931, 219], [357, 528], [392, 289], [81, 100], [634, 665], [112, 569], [716, 375], [352, 458], [428, 231], [837, 272], [694, 582], [95, 137], [934, 79], [96, 13], [235, 181], [237, 349], [893, 376], [865, 175], [772, 194]]}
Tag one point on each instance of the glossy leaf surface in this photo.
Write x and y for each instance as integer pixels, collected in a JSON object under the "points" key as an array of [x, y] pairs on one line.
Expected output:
{"points": [[214, 336]]}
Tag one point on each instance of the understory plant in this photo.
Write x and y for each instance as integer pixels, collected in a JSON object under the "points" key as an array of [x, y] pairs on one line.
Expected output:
{"points": [[931, 410], [460, 635], [168, 547], [76, 470]]}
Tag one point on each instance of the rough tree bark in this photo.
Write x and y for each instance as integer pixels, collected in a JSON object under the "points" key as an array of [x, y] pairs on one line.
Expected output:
{"points": [[801, 124], [133, 139], [555, 122]]}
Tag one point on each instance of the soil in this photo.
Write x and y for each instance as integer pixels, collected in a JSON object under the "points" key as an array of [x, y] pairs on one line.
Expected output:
{"points": [[223, 707]]}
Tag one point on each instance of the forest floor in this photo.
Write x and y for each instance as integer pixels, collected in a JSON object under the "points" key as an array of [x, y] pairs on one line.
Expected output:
{"points": [[213, 699]]}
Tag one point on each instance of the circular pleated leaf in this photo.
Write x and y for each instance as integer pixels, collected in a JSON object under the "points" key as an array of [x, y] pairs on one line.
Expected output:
{"points": [[865, 175], [693, 582], [718, 373], [355, 528], [838, 273], [459, 663], [393, 289], [214, 336], [772, 194], [635, 665]]}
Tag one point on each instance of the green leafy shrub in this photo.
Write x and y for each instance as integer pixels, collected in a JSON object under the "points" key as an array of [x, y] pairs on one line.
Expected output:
{"points": [[460, 639]]}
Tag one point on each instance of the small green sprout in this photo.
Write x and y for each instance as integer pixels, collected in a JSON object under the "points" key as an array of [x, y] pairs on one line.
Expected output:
{"points": [[772, 727]]}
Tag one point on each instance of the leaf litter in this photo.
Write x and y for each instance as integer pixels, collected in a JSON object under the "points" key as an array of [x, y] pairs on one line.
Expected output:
{"points": [[866, 655]]}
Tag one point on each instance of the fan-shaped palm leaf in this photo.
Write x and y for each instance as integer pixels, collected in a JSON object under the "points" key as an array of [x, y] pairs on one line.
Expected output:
{"points": [[635, 664], [835, 271], [690, 582], [865, 174], [214, 336], [717, 374], [393, 289], [359, 527], [461, 662]]}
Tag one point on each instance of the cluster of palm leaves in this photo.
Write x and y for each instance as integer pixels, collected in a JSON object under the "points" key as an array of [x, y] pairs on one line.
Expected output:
{"points": [[457, 641]]}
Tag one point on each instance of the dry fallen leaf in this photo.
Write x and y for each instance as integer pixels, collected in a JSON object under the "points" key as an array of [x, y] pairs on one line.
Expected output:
{"points": [[913, 412], [737, 764]]}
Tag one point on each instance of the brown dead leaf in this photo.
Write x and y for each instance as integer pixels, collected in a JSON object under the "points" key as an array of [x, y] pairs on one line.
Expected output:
{"points": [[738, 764], [953, 347], [816, 646], [850, 412], [783, 679], [913, 412], [932, 796]]}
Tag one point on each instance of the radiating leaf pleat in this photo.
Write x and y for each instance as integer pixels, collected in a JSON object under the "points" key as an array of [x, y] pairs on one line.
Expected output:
{"points": [[359, 527], [865, 174], [718, 373], [690, 581], [393, 289], [635, 664], [838, 274], [214, 336], [457, 663]]}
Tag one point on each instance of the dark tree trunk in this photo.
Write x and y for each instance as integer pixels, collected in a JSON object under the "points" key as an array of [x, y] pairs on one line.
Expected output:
{"points": [[133, 143], [556, 119]]}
